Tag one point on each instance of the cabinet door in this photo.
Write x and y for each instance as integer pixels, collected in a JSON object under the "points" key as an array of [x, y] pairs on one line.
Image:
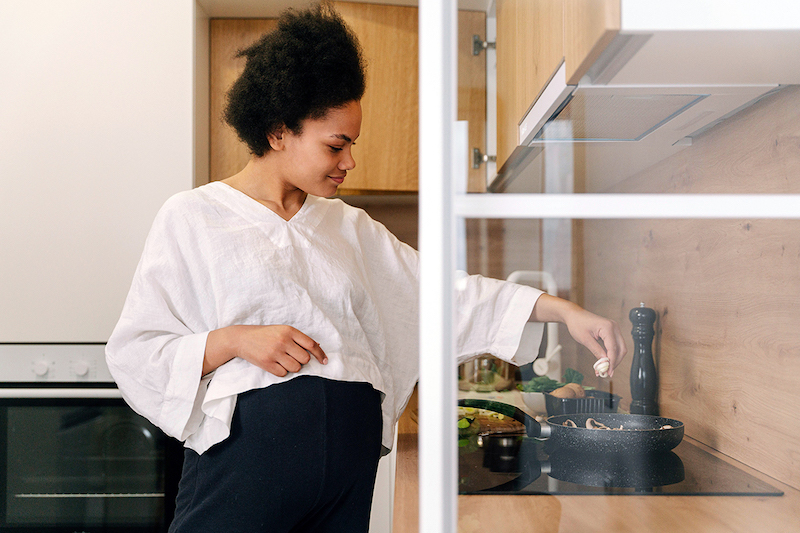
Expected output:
{"points": [[529, 50], [589, 26], [387, 151], [472, 90]]}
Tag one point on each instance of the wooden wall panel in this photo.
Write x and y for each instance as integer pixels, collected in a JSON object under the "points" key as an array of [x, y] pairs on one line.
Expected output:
{"points": [[726, 291], [228, 155]]}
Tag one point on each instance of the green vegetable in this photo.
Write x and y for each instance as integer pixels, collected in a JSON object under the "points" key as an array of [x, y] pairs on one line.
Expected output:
{"points": [[573, 376], [545, 384], [540, 384], [463, 423]]}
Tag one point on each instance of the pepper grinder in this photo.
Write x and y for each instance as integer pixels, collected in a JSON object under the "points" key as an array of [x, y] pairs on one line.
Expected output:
{"points": [[644, 381]]}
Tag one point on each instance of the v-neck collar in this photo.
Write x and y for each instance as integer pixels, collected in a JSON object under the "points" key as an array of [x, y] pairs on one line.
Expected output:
{"points": [[309, 214]]}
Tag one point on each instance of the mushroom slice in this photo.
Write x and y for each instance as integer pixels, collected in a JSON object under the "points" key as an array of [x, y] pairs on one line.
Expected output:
{"points": [[591, 423], [601, 367], [569, 423]]}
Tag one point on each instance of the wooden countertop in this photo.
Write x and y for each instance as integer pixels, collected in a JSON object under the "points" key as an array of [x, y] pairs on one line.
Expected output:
{"points": [[612, 514]]}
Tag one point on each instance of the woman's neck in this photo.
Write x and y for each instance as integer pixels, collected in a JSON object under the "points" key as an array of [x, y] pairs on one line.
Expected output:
{"points": [[259, 180]]}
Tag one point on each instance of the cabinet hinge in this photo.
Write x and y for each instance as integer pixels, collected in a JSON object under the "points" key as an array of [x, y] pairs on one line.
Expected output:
{"points": [[479, 45], [478, 158]]}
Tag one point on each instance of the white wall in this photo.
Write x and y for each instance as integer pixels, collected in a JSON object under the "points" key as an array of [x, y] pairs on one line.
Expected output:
{"points": [[96, 130]]}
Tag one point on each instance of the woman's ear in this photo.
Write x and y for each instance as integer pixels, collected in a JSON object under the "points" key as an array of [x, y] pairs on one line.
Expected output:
{"points": [[276, 138]]}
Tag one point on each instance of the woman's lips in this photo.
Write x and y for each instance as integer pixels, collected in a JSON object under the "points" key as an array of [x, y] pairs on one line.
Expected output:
{"points": [[337, 179]]}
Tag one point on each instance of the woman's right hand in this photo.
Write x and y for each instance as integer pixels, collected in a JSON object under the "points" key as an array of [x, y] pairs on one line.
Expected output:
{"points": [[278, 349]]}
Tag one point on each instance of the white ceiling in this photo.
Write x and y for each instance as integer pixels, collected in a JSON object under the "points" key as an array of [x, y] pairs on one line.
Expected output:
{"points": [[272, 8]]}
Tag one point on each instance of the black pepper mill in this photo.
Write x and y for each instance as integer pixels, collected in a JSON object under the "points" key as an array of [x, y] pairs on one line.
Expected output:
{"points": [[644, 382]]}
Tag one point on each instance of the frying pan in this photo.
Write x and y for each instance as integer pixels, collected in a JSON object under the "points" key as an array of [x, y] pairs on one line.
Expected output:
{"points": [[640, 433]]}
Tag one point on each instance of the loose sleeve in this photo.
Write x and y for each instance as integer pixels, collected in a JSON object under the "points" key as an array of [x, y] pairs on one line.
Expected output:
{"points": [[492, 317], [155, 352]]}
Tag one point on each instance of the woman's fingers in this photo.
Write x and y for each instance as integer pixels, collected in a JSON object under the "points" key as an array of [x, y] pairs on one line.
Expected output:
{"points": [[279, 349], [594, 346], [310, 346], [297, 350], [601, 336], [615, 348]]}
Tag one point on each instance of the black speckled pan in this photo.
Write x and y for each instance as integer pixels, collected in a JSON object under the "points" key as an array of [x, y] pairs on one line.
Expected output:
{"points": [[639, 433]]}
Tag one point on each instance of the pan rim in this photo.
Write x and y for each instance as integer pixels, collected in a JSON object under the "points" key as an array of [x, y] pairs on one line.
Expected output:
{"points": [[676, 424]]}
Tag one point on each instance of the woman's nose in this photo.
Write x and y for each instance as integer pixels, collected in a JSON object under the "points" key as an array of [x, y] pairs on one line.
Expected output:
{"points": [[347, 162]]}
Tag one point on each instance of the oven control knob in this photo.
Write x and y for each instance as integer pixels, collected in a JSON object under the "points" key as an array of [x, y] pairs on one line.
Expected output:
{"points": [[40, 368], [81, 368]]}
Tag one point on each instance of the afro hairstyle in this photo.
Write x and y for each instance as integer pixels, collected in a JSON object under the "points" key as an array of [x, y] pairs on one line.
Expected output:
{"points": [[311, 63]]}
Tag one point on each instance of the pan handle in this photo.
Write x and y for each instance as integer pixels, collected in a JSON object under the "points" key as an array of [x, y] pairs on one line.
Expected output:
{"points": [[532, 427]]}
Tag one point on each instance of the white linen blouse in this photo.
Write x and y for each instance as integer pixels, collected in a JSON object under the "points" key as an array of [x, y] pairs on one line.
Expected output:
{"points": [[216, 257]]}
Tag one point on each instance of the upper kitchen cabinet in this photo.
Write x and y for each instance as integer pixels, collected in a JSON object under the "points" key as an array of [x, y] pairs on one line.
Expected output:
{"points": [[589, 26], [529, 50], [534, 38], [387, 151], [635, 81]]}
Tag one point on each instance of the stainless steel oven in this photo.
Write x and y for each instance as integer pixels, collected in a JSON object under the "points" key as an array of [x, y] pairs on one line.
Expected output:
{"points": [[73, 456]]}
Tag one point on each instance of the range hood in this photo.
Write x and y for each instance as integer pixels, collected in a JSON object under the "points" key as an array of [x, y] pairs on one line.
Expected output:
{"points": [[661, 82]]}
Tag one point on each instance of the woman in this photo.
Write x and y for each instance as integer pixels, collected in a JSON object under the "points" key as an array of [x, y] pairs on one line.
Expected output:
{"points": [[274, 330]]}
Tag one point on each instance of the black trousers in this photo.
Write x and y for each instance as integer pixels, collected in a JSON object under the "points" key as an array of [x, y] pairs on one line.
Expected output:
{"points": [[302, 456]]}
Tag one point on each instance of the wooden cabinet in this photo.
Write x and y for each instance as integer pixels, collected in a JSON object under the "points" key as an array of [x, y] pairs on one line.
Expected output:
{"points": [[589, 26], [387, 151], [529, 50], [533, 38]]}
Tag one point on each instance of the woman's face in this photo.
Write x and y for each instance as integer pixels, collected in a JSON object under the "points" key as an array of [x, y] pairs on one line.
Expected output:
{"points": [[317, 160]]}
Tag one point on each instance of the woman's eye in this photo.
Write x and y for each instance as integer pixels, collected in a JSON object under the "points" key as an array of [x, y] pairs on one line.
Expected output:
{"points": [[335, 149]]}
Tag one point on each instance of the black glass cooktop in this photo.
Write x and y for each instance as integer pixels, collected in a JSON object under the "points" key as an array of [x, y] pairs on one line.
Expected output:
{"points": [[522, 465]]}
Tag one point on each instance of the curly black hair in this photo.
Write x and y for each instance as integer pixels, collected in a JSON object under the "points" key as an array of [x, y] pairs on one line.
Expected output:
{"points": [[311, 63]]}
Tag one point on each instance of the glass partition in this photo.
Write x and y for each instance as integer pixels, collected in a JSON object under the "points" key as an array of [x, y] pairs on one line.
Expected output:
{"points": [[706, 308]]}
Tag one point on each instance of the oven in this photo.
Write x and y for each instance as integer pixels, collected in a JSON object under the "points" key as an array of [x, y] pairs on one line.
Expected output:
{"points": [[74, 458]]}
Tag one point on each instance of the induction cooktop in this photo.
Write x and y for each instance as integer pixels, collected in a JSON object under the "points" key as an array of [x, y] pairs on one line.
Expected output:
{"points": [[515, 464]]}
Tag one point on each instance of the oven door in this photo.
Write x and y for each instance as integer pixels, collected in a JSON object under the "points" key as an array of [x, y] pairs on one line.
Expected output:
{"points": [[83, 464]]}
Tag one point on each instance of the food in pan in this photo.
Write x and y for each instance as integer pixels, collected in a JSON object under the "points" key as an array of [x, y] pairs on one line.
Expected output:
{"points": [[591, 423], [472, 420]]}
